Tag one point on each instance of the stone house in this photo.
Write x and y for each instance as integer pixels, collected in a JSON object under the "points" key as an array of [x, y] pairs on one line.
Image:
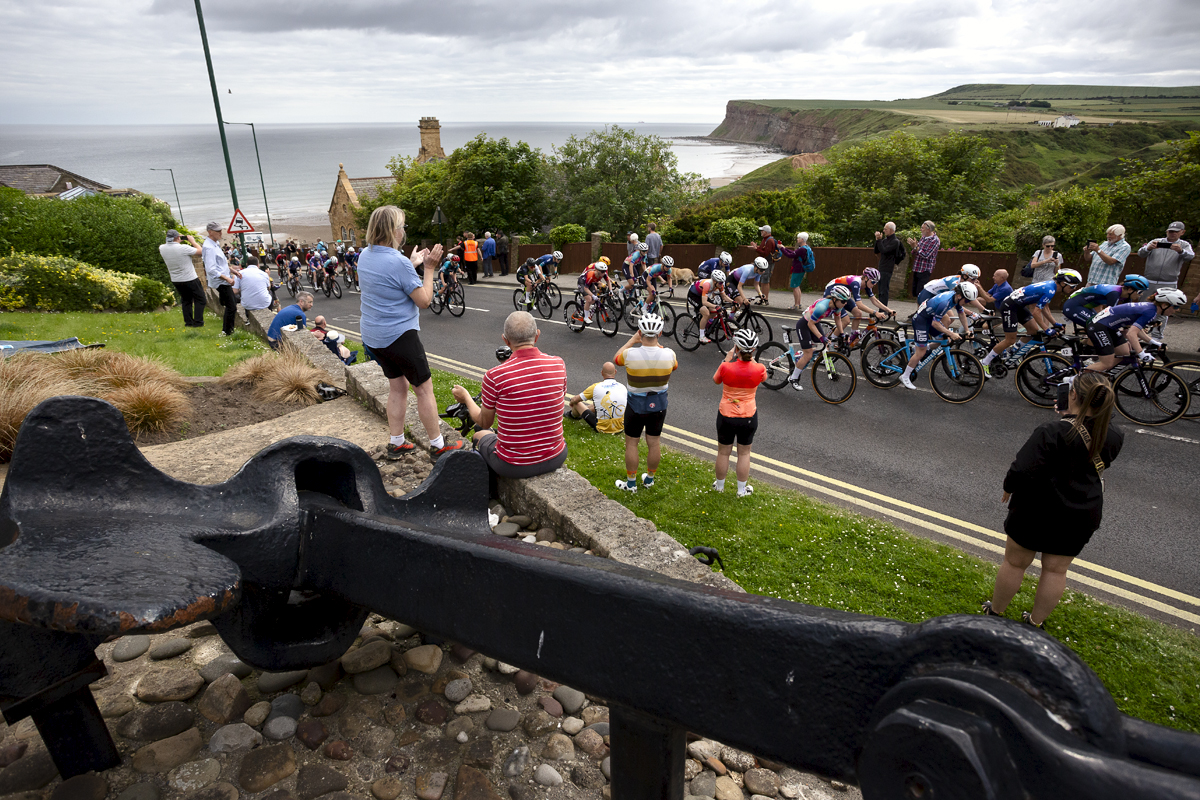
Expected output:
{"points": [[47, 180], [348, 194]]}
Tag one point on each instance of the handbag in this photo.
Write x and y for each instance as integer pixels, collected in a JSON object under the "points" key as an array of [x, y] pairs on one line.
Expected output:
{"points": [[1027, 270], [649, 403]]}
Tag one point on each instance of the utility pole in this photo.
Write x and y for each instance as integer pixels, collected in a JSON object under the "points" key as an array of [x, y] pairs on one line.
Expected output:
{"points": [[178, 204], [439, 219], [260, 176], [212, 79]]}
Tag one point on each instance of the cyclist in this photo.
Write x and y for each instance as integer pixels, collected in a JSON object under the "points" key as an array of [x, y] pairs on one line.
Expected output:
{"points": [[807, 329], [330, 266], [449, 273], [750, 272], [281, 261], [660, 269], [530, 273], [1027, 304], [930, 314], [969, 272], [859, 285], [1132, 319], [737, 416], [293, 268], [721, 262], [314, 265], [591, 280], [548, 264], [1082, 306], [699, 299], [351, 257], [633, 265]]}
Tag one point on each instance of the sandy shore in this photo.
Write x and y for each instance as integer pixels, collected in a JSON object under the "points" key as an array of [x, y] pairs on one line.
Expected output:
{"points": [[301, 233]]}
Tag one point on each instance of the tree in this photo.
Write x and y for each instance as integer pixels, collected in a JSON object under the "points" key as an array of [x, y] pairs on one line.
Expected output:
{"points": [[1071, 216], [614, 180], [732, 232], [565, 234], [1150, 196], [787, 212]]}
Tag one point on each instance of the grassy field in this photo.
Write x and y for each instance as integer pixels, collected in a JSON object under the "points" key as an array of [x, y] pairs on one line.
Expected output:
{"points": [[783, 544]]}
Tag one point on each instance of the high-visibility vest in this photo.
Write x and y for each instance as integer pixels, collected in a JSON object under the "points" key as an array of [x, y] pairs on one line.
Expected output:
{"points": [[470, 250]]}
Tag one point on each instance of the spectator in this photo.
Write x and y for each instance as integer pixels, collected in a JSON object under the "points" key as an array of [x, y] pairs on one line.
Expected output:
{"points": [[470, 257], [768, 248], [1055, 496], [487, 252], [391, 299], [648, 367], [1108, 259], [1164, 259], [803, 262], [178, 257], [1000, 289], [737, 416], [334, 340], [526, 392], [1045, 262], [631, 244], [654, 243], [890, 252], [216, 267], [289, 315], [924, 253], [502, 252], [601, 405], [253, 287]]}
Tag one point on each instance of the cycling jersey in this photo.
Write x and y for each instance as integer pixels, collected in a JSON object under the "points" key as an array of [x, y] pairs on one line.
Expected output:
{"points": [[1039, 293], [330, 265], [703, 288], [937, 307], [530, 270], [817, 311], [1081, 306], [940, 285], [706, 267], [448, 267], [293, 267], [653, 271], [352, 259], [854, 283], [635, 260], [545, 261], [1120, 317], [745, 273], [591, 276]]}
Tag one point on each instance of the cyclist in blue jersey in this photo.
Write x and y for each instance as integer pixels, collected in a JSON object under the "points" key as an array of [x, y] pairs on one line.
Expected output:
{"points": [[860, 285], [1132, 319], [737, 278], [969, 272], [930, 315], [1088, 301], [632, 266], [548, 263], [1028, 304], [807, 329], [660, 270], [721, 262], [449, 273], [351, 257]]}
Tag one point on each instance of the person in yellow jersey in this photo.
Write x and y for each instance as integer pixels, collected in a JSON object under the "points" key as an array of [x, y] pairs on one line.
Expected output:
{"points": [[601, 405], [648, 366]]}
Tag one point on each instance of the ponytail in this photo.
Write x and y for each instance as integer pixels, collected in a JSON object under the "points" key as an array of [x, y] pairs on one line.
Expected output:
{"points": [[1096, 399]]}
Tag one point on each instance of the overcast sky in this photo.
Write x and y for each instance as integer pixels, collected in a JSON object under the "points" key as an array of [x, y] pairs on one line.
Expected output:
{"points": [[140, 61]]}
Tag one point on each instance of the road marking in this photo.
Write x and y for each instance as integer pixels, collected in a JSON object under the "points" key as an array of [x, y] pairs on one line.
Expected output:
{"points": [[1167, 436]]}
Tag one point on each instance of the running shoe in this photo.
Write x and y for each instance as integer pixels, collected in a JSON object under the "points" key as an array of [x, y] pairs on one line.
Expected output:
{"points": [[647, 480], [906, 383], [625, 487], [749, 490], [449, 447], [398, 451]]}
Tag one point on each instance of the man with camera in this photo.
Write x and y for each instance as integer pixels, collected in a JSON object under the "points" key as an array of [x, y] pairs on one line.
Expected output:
{"points": [[526, 393]]}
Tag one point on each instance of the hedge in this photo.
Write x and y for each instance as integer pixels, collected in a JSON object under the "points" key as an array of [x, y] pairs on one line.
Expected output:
{"points": [[56, 283]]}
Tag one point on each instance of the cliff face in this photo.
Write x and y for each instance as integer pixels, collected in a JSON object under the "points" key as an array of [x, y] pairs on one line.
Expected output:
{"points": [[799, 131]]}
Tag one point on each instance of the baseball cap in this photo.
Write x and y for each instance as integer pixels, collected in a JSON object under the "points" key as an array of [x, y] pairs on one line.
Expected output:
{"points": [[172, 235], [1175, 226], [213, 226], [765, 229]]}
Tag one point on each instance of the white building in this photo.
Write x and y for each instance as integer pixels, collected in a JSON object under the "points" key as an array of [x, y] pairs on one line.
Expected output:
{"points": [[1065, 121]]}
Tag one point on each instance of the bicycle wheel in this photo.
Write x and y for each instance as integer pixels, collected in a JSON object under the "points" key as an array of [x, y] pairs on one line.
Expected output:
{"points": [[882, 363], [543, 304], [519, 299], [608, 322], [668, 315], [956, 376], [1189, 372], [687, 332], [457, 301], [554, 294], [759, 324], [774, 356], [722, 335], [632, 314], [293, 286], [1155, 399], [1039, 377], [326, 288], [437, 302], [615, 305], [574, 316], [337, 288], [833, 377]]}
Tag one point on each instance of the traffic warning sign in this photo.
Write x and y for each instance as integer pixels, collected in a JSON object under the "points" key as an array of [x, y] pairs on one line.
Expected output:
{"points": [[239, 223]]}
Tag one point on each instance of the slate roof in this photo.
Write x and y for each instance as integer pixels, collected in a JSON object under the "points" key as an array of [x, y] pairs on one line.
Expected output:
{"points": [[44, 179], [368, 188]]}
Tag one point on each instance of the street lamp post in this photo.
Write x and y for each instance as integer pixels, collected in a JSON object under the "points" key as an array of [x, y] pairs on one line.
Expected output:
{"points": [[177, 203], [260, 176]]}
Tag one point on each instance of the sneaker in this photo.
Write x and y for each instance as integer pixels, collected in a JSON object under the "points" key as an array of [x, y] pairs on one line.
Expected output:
{"points": [[587, 319], [647, 480], [449, 447], [398, 451], [987, 372], [987, 609], [625, 487], [906, 383], [714, 487], [797, 385], [1027, 618], [704, 339], [749, 490]]}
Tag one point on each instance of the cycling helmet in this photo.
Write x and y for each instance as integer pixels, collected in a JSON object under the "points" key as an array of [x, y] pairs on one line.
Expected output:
{"points": [[668, 262], [760, 264], [1136, 282], [294, 258], [1172, 297], [601, 265], [970, 272], [717, 276], [455, 259], [746, 340], [333, 259], [871, 274], [840, 292], [351, 250], [605, 260], [967, 291], [557, 255], [643, 246], [725, 259], [1069, 277], [650, 324]]}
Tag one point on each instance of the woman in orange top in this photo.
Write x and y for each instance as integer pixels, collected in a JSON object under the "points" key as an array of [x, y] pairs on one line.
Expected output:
{"points": [[737, 416], [471, 257]]}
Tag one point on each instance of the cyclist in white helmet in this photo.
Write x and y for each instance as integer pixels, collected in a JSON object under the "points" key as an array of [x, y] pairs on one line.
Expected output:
{"points": [[648, 367], [736, 279], [737, 416], [721, 262], [706, 296]]}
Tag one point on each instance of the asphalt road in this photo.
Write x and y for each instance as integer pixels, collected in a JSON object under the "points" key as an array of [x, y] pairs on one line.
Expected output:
{"points": [[929, 466]]}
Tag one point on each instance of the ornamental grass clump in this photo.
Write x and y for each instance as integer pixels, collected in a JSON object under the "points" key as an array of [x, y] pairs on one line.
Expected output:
{"points": [[123, 370], [250, 371], [283, 377], [150, 405]]}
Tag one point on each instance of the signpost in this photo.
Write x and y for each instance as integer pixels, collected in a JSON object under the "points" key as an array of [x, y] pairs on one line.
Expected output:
{"points": [[439, 219], [239, 224], [212, 79]]}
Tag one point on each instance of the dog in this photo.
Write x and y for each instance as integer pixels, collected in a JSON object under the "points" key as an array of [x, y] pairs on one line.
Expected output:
{"points": [[682, 275]]}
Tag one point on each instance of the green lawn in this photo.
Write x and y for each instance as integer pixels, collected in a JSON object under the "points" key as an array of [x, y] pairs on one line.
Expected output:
{"points": [[783, 544]]}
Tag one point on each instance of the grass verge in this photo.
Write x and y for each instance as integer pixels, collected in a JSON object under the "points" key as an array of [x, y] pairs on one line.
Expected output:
{"points": [[783, 544]]}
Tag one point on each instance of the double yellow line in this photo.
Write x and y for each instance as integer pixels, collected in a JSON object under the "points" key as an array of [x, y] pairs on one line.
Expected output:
{"points": [[1185, 607]]}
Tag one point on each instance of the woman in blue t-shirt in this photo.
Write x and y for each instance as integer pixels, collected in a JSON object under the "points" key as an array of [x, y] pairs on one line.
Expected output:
{"points": [[392, 296]]}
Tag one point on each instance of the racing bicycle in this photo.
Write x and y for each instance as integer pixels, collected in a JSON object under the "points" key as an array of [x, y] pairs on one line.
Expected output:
{"points": [[955, 375], [832, 375]]}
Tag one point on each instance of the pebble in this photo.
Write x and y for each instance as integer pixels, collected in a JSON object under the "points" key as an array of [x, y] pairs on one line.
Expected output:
{"points": [[516, 762], [578, 550], [326, 676], [601, 728], [201, 630], [330, 704], [839, 786], [170, 648], [111, 707], [606, 767], [377, 742], [761, 781], [338, 751], [736, 759], [530, 538], [398, 763], [236, 738], [571, 699], [88, 786], [280, 728], [156, 722], [193, 776], [572, 725], [552, 706], [691, 768], [171, 684], [165, 755], [521, 520], [224, 700], [586, 777], [547, 775], [376, 681], [222, 790], [272, 682], [312, 694], [11, 752], [431, 712], [790, 792], [33, 771], [266, 766], [315, 780], [503, 719], [257, 714], [507, 669], [130, 647], [367, 657], [387, 788], [545, 535], [506, 529], [459, 725], [593, 714], [430, 785], [461, 738], [526, 681], [714, 763], [590, 742], [311, 733], [727, 789], [704, 785], [397, 630], [287, 705], [223, 665], [539, 723], [461, 653], [474, 704], [559, 747], [394, 714], [140, 791], [457, 690], [426, 658]]}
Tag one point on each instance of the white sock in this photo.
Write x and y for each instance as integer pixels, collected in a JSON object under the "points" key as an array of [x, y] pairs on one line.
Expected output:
{"points": [[988, 358], [742, 487], [907, 372], [397, 440], [719, 485], [438, 443], [796, 373]]}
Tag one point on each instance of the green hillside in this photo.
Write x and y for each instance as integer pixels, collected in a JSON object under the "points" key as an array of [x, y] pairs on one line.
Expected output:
{"points": [[1037, 91]]}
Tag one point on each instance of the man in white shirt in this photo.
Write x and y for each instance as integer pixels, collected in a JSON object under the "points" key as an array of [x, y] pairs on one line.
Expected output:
{"points": [[178, 258], [253, 286], [216, 268]]}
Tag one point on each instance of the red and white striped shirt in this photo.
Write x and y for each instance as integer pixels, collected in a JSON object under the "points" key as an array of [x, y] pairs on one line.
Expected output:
{"points": [[527, 392]]}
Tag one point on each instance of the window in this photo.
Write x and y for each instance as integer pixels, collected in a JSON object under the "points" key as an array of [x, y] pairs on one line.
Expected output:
{"points": [[344, 232]]}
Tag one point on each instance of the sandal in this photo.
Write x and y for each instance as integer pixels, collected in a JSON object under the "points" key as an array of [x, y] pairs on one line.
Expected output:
{"points": [[987, 609]]}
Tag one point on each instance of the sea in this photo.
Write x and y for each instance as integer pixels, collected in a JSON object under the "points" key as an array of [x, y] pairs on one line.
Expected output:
{"points": [[300, 161]]}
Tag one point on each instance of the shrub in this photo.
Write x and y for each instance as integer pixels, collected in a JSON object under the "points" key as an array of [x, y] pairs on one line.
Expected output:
{"points": [[149, 406], [283, 377], [731, 233], [567, 233], [55, 283]]}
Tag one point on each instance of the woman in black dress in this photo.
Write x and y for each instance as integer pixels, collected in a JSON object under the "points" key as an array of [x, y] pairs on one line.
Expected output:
{"points": [[1057, 496]]}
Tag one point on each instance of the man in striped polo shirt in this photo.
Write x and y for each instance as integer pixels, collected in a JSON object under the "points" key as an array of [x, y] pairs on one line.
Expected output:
{"points": [[526, 392], [647, 370]]}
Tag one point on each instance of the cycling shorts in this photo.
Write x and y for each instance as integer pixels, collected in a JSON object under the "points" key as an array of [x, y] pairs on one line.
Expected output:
{"points": [[1078, 313], [1103, 339], [924, 295], [804, 334], [739, 429], [636, 423], [921, 327], [1012, 315], [694, 300]]}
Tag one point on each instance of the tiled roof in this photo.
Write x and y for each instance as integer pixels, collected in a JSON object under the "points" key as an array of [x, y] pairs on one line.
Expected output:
{"points": [[368, 188], [43, 179]]}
